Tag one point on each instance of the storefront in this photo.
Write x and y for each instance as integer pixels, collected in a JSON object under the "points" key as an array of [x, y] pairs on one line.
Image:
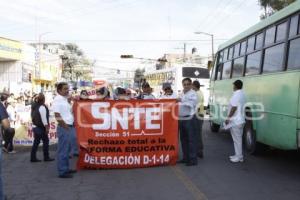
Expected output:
{"points": [[10, 65], [47, 72]]}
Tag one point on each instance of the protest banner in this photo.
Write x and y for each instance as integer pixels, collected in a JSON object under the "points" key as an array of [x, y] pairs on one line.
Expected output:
{"points": [[23, 127], [126, 134]]}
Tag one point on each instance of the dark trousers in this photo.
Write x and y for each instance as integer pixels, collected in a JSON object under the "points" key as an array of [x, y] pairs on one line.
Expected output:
{"points": [[199, 124], [189, 138], [40, 134], [8, 136]]}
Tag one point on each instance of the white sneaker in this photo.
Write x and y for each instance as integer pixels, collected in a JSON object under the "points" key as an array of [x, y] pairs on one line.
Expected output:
{"points": [[237, 159], [13, 151], [231, 157]]}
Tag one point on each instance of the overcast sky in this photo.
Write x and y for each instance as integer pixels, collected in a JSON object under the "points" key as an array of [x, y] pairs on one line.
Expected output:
{"points": [[105, 29]]}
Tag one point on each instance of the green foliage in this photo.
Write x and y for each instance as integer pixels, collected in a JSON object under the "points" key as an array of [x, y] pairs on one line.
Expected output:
{"points": [[271, 6], [75, 65]]}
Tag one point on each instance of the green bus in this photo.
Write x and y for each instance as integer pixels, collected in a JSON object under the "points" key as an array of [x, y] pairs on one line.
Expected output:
{"points": [[266, 57]]}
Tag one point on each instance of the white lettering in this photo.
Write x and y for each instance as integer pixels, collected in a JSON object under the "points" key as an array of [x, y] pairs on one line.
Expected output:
{"points": [[116, 117], [150, 117], [101, 115], [110, 120], [136, 116]]}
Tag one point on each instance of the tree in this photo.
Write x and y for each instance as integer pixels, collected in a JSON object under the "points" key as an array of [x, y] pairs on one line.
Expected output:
{"points": [[272, 6], [75, 65]]}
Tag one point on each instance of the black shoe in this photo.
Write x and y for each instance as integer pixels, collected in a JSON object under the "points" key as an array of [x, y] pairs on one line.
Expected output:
{"points": [[35, 160], [48, 159], [191, 164], [71, 171], [65, 176], [182, 161], [200, 154]]}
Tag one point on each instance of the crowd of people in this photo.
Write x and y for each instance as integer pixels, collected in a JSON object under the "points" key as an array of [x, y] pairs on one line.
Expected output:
{"points": [[191, 114]]}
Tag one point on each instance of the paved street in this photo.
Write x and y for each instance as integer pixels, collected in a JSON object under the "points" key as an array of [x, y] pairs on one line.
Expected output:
{"points": [[275, 175]]}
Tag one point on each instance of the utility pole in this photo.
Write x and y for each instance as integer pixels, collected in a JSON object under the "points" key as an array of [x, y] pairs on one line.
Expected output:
{"points": [[212, 42]]}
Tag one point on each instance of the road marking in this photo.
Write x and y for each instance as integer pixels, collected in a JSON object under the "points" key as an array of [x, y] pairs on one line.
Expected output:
{"points": [[189, 184]]}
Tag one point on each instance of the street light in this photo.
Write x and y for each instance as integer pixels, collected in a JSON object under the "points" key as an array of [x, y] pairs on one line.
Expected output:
{"points": [[212, 42], [39, 50]]}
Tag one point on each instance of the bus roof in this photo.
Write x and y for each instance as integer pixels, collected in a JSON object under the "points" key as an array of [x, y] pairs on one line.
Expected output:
{"points": [[294, 7]]}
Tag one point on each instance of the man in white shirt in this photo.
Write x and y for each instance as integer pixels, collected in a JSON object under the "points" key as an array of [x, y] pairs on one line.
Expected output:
{"points": [[65, 129], [41, 126], [187, 123], [236, 119], [200, 116]]}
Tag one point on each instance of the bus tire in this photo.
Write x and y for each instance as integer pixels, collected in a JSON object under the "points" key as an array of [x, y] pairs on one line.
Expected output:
{"points": [[214, 127], [249, 138], [251, 145]]}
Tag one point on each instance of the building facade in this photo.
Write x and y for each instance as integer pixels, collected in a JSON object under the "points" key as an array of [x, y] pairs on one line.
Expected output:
{"points": [[24, 68]]}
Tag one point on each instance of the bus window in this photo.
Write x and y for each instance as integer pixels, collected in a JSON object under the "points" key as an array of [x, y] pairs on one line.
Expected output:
{"points": [[225, 56], [259, 41], [238, 67], [273, 59], [253, 64], [294, 26], [270, 36], [236, 50], [226, 70], [213, 75], [219, 72], [220, 59], [294, 52], [243, 48], [281, 31], [230, 53], [250, 46]]}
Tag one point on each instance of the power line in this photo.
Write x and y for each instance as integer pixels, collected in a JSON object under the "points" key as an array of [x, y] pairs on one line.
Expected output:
{"points": [[141, 40], [111, 68], [220, 23], [215, 14], [208, 16]]}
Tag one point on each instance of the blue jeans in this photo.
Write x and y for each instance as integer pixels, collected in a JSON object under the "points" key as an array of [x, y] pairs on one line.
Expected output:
{"points": [[73, 141], [63, 150], [189, 134]]}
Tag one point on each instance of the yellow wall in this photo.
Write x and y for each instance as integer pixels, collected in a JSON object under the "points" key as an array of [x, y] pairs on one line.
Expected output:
{"points": [[10, 49]]}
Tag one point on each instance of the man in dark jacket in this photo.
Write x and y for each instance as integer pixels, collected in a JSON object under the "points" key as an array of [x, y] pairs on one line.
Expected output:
{"points": [[40, 121], [8, 133], [4, 123]]}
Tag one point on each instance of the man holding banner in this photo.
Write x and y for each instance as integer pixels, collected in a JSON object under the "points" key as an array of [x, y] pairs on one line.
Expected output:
{"points": [[187, 123], [64, 116]]}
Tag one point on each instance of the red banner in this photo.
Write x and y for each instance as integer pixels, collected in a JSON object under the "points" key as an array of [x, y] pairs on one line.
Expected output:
{"points": [[126, 134]]}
